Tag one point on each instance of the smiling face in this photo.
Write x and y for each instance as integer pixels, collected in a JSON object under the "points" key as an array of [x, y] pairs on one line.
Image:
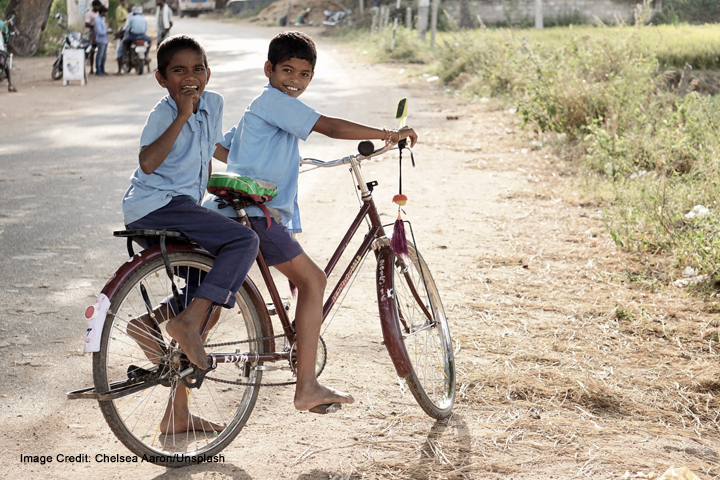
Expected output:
{"points": [[290, 76], [186, 74]]}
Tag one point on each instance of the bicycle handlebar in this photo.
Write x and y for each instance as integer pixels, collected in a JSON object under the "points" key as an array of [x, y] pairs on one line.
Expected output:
{"points": [[363, 154]]}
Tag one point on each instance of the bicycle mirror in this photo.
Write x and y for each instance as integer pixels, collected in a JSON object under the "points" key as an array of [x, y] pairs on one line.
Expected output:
{"points": [[402, 111]]}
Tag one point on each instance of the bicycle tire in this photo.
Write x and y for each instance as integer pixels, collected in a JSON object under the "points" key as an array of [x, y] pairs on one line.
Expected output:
{"points": [[427, 343], [135, 419], [22, 45]]}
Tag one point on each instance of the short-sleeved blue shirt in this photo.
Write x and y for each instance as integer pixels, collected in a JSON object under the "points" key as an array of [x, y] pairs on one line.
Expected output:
{"points": [[264, 146], [137, 24], [185, 170]]}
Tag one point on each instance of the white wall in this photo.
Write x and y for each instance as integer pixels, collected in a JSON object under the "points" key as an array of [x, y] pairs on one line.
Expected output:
{"points": [[518, 11]]}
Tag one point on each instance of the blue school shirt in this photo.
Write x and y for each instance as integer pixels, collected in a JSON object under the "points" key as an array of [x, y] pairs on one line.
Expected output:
{"points": [[100, 28], [185, 170], [264, 146]]}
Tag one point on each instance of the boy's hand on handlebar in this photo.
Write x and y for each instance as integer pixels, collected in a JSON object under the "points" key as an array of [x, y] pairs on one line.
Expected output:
{"points": [[404, 132]]}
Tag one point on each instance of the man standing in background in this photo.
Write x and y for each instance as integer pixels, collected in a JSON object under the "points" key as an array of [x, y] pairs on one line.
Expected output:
{"points": [[90, 17], [164, 21], [121, 15]]}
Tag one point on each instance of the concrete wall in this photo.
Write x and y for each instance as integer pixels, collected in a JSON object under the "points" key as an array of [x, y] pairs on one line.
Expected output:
{"points": [[523, 11]]}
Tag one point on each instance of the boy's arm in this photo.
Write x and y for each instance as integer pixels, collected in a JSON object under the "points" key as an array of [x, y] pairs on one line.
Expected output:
{"points": [[153, 155], [346, 130], [221, 153]]}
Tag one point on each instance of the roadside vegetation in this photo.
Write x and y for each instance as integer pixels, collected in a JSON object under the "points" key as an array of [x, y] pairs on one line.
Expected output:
{"points": [[645, 146]]}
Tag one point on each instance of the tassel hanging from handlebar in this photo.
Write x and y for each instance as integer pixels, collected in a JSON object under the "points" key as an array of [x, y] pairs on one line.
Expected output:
{"points": [[399, 240]]}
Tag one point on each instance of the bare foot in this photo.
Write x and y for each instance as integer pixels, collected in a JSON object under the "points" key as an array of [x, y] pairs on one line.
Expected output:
{"points": [[181, 424], [11, 88], [186, 332], [314, 395], [142, 331]]}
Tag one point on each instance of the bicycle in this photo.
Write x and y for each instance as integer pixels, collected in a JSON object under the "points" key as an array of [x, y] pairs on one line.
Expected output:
{"points": [[20, 43], [134, 392]]}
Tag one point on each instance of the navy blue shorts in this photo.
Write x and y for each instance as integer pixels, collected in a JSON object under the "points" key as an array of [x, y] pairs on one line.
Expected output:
{"points": [[277, 244]]}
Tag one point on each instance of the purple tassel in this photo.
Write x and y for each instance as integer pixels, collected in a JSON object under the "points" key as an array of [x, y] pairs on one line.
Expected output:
{"points": [[399, 242], [293, 289]]}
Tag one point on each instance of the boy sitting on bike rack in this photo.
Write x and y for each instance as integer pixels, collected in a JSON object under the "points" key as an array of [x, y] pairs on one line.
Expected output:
{"points": [[176, 147], [264, 146]]}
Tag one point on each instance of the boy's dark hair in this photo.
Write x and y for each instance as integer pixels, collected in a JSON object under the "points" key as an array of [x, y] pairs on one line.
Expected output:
{"points": [[97, 3], [102, 9], [170, 46], [287, 45]]}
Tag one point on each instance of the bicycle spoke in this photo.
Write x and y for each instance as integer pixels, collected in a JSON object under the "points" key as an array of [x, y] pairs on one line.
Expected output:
{"points": [[136, 418]]}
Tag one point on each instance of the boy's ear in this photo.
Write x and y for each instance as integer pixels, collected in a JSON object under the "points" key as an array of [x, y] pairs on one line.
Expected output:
{"points": [[268, 68], [160, 79]]}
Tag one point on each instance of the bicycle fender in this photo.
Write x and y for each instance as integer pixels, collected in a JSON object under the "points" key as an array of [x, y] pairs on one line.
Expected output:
{"points": [[97, 314], [388, 314], [128, 268]]}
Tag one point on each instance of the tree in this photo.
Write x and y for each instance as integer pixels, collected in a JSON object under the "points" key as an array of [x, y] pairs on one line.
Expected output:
{"points": [[466, 20], [30, 19]]}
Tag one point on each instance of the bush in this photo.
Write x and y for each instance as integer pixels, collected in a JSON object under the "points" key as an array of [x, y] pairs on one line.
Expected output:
{"points": [[651, 155]]}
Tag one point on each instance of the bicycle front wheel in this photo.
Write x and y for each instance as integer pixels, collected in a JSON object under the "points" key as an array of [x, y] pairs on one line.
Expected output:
{"points": [[22, 45], [418, 314], [167, 423]]}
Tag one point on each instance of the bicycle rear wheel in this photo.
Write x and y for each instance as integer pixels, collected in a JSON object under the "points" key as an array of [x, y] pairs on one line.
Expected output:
{"points": [[420, 318], [22, 45], [137, 419]]}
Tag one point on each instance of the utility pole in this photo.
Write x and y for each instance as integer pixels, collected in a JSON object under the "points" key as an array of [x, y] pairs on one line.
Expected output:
{"points": [[433, 21], [422, 24], [538, 15]]}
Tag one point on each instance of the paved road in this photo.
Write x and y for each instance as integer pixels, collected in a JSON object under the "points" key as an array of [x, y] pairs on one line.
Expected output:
{"points": [[63, 172]]}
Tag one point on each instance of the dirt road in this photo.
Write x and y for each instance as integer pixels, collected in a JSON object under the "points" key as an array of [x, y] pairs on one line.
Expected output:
{"points": [[567, 368]]}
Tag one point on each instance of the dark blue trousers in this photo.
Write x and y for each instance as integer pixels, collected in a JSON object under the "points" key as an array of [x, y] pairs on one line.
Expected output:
{"points": [[234, 245]]}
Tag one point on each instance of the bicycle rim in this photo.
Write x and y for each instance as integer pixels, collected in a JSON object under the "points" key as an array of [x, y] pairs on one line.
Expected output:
{"points": [[137, 419], [427, 340], [23, 45]]}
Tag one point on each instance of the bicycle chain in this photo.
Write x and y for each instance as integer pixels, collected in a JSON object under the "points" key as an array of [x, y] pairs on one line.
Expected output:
{"points": [[248, 384]]}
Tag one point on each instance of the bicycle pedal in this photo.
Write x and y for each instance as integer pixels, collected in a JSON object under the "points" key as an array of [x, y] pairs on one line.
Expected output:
{"points": [[273, 311]]}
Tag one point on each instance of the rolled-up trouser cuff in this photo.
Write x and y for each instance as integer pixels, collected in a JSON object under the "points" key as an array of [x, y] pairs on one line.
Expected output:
{"points": [[221, 296]]}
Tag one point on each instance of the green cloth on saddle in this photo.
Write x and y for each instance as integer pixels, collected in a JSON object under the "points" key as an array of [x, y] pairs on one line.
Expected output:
{"points": [[228, 185], [259, 191]]}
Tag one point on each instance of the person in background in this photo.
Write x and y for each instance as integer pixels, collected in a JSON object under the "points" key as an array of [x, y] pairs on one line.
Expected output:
{"points": [[121, 16], [90, 17], [4, 64], [101, 39], [164, 21], [135, 28]]}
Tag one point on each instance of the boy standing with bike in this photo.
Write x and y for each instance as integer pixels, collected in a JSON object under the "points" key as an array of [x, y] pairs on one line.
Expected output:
{"points": [[264, 146], [176, 147]]}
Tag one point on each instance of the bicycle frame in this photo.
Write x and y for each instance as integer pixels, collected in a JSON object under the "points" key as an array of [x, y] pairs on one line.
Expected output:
{"points": [[376, 240]]}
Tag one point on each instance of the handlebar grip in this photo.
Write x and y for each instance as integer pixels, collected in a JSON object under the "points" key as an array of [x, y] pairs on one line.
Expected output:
{"points": [[366, 147]]}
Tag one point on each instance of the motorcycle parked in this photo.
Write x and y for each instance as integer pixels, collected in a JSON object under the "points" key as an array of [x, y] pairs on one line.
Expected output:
{"points": [[71, 39], [137, 57]]}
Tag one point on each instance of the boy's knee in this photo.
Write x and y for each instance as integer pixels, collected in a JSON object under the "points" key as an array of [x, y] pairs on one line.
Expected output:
{"points": [[318, 279], [248, 239]]}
